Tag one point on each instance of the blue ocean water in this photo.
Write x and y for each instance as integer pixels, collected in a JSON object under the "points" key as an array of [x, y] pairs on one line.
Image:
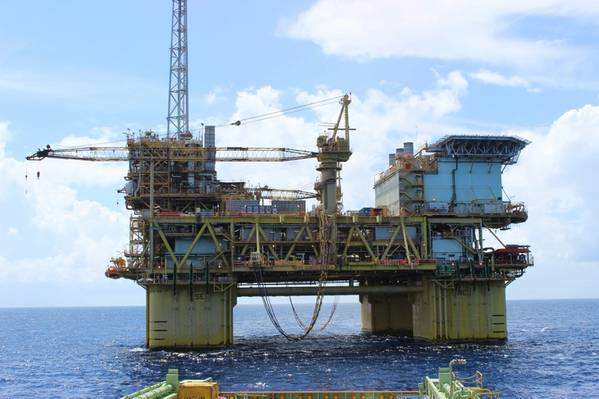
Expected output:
{"points": [[552, 352]]}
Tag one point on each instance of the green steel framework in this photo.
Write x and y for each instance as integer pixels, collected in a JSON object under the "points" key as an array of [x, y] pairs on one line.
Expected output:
{"points": [[445, 386]]}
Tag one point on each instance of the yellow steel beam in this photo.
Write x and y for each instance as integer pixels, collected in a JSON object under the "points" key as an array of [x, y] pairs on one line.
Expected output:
{"points": [[213, 235], [424, 234], [193, 244], [295, 240], [245, 247], [405, 238], [348, 241], [393, 236], [167, 245], [363, 239], [311, 238], [270, 247]]}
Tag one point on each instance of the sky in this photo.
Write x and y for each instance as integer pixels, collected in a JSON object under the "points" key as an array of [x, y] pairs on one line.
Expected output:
{"points": [[75, 73]]}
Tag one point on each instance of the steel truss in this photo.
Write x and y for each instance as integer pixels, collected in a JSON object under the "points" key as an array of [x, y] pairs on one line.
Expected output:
{"points": [[243, 244], [502, 148]]}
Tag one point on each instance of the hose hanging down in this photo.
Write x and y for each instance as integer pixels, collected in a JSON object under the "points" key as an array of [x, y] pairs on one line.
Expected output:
{"points": [[326, 250], [301, 323]]}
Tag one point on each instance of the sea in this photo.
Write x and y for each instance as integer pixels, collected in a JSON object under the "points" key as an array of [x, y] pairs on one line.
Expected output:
{"points": [[552, 352]]}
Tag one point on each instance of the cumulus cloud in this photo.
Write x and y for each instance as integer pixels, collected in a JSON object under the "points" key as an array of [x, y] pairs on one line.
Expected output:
{"points": [[74, 173], [555, 178], [447, 30], [287, 131], [497, 79], [383, 121], [3, 137], [214, 95], [69, 237]]}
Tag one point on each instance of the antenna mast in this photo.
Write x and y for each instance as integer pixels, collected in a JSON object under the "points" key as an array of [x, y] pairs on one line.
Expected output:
{"points": [[178, 101]]}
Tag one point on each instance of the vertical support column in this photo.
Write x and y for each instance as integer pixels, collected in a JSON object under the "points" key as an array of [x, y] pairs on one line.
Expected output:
{"points": [[327, 185], [188, 320], [387, 314], [147, 318], [460, 311], [151, 219]]}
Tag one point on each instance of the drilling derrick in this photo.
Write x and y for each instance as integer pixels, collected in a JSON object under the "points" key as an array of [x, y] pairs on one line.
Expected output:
{"points": [[420, 259], [178, 100]]}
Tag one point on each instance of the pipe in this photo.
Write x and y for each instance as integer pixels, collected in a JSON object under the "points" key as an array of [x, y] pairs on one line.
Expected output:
{"points": [[151, 232], [225, 318], [445, 315], [142, 391], [453, 190], [190, 282], [334, 290], [153, 392], [174, 278]]}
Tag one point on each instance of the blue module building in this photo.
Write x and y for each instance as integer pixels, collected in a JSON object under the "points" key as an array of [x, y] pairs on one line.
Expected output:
{"points": [[457, 176]]}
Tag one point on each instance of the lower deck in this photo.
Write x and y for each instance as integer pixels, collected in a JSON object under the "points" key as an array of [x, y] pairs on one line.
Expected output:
{"points": [[189, 316], [428, 277]]}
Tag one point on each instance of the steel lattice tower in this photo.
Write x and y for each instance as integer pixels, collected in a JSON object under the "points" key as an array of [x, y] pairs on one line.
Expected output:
{"points": [[178, 101]]}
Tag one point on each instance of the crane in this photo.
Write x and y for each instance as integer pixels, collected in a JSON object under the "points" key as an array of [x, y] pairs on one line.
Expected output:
{"points": [[174, 153], [270, 193], [176, 175]]}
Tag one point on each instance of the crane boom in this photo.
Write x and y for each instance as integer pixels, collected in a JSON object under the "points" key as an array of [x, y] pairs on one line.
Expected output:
{"points": [[222, 154], [280, 194]]}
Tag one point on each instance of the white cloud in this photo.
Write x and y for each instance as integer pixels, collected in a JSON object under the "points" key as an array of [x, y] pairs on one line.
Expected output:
{"points": [[210, 98], [84, 233], [3, 137], [382, 121], [555, 178], [447, 30], [56, 173], [214, 95], [497, 79], [287, 131]]}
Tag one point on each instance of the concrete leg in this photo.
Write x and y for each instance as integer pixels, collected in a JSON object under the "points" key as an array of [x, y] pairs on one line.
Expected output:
{"points": [[387, 314], [460, 311], [178, 321]]}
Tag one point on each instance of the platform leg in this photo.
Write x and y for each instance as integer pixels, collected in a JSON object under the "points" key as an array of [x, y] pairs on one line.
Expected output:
{"points": [[178, 320], [387, 314], [460, 311]]}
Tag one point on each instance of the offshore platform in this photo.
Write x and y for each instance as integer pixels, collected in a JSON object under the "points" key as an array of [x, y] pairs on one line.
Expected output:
{"points": [[418, 258]]}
